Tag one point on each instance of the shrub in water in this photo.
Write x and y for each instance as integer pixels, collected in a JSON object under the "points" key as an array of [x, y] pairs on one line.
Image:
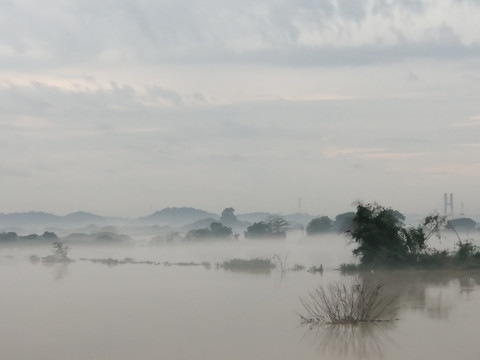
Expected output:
{"points": [[341, 303]]}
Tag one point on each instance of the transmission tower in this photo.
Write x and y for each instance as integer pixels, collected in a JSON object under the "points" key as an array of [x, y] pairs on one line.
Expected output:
{"points": [[448, 204]]}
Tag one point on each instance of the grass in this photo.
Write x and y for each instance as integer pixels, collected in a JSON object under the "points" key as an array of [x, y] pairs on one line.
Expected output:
{"points": [[465, 255], [252, 265], [316, 269], [353, 303]]}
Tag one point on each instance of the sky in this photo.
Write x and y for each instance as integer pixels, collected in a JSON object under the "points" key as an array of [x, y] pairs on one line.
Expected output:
{"points": [[124, 107]]}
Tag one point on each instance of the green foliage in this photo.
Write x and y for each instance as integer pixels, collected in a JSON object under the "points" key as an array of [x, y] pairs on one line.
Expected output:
{"points": [[258, 229], [275, 226], [466, 250], [50, 236], [384, 241], [344, 222], [347, 268], [216, 231], [256, 265], [228, 217], [13, 237], [316, 269], [8, 237], [382, 238], [319, 225], [433, 259]]}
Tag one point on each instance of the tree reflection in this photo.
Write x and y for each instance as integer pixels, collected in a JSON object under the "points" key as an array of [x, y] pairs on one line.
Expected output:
{"points": [[358, 341], [60, 270], [432, 292]]}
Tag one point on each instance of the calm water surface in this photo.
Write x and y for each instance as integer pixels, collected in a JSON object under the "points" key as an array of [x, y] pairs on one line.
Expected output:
{"points": [[85, 310]]}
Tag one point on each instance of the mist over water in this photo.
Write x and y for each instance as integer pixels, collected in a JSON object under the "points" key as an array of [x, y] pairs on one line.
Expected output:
{"points": [[87, 310]]}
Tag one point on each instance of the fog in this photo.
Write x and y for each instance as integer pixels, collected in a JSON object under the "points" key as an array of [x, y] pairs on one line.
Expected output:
{"points": [[158, 304]]}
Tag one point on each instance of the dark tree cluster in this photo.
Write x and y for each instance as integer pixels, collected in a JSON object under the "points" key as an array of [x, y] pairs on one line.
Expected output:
{"points": [[275, 226], [323, 224], [319, 225], [13, 237], [383, 240], [215, 231]]}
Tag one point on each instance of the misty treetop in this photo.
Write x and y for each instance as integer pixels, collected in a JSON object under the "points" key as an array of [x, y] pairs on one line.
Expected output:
{"points": [[382, 237], [274, 226], [9, 237], [384, 241], [319, 225], [216, 231]]}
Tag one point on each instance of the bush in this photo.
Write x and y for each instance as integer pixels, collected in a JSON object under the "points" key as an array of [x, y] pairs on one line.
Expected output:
{"points": [[341, 303], [465, 250], [345, 268]]}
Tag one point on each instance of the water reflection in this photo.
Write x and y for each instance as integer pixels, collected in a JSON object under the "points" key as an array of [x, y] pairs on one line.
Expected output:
{"points": [[60, 270], [358, 341], [433, 292]]}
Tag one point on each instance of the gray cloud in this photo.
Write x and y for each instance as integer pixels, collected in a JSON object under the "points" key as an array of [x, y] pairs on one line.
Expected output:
{"points": [[141, 102], [80, 32]]}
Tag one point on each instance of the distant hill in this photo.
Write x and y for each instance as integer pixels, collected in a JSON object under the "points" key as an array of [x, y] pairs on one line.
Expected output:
{"points": [[171, 216], [253, 217], [36, 219], [81, 217], [303, 219], [199, 224], [176, 216], [299, 218], [33, 218]]}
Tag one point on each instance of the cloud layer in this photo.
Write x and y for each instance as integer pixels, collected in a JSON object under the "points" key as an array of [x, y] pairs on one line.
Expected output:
{"points": [[117, 106], [331, 32]]}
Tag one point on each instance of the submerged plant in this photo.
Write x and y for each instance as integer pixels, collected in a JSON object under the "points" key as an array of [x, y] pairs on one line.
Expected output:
{"points": [[282, 262], [340, 303], [316, 269], [59, 254], [251, 265]]}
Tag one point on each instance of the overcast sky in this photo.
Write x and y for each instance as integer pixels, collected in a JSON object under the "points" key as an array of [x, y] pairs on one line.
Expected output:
{"points": [[124, 107]]}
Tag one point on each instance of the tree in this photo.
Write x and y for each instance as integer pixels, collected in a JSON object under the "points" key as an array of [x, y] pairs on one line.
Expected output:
{"points": [[228, 217], [383, 239], [344, 221], [8, 237], [216, 230], [321, 224], [50, 236], [257, 230], [274, 226], [278, 224], [59, 254]]}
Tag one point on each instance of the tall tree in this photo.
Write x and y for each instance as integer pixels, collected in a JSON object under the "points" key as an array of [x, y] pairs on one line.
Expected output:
{"points": [[382, 239], [321, 224]]}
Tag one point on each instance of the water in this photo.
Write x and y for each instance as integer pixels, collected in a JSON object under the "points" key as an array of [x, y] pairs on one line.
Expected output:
{"points": [[86, 310]]}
